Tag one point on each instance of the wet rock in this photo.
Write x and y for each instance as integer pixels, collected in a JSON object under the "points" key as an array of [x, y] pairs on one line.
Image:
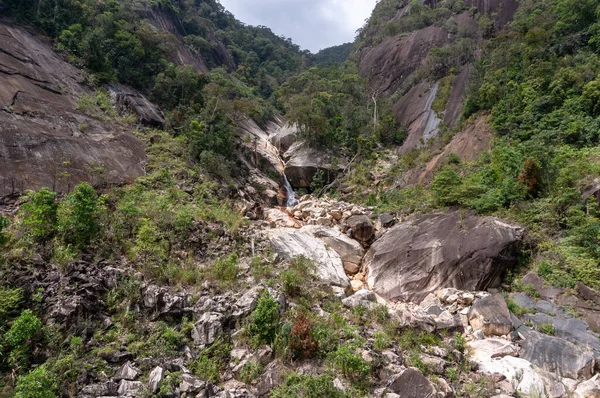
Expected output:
{"points": [[411, 384], [208, 327], [440, 250], [491, 316], [291, 243], [304, 161], [361, 226]]}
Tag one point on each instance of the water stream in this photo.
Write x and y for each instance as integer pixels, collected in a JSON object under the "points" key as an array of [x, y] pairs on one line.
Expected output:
{"points": [[292, 200]]}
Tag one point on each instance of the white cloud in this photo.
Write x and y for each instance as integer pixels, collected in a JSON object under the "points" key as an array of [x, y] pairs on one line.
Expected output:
{"points": [[313, 24]]}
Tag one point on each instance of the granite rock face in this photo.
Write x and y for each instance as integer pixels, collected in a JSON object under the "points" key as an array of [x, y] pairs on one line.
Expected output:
{"points": [[43, 136], [436, 251]]}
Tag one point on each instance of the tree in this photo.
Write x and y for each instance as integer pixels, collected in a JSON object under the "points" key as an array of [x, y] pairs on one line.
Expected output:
{"points": [[79, 216], [39, 215]]}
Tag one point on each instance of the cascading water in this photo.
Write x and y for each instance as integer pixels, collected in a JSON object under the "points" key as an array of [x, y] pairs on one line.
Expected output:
{"points": [[292, 200]]}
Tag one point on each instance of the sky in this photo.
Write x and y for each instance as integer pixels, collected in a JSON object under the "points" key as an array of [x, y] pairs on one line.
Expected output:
{"points": [[312, 24]]}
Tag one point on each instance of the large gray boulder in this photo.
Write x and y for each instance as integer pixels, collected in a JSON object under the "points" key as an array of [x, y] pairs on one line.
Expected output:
{"points": [[558, 356], [350, 251], [303, 161], [441, 250], [290, 243]]}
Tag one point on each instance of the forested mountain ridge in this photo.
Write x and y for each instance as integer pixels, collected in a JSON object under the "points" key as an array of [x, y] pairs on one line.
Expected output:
{"points": [[152, 244]]}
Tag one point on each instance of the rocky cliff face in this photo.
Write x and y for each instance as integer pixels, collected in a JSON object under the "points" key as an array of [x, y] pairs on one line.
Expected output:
{"points": [[44, 139], [400, 66]]}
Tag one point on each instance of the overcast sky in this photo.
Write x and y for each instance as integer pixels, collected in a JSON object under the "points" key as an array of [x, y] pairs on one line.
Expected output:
{"points": [[312, 24]]}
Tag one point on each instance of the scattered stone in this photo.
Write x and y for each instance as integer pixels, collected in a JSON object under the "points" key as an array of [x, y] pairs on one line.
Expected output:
{"points": [[272, 377]]}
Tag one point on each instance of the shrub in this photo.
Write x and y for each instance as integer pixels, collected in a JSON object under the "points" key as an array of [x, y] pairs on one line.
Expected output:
{"points": [[226, 269], [445, 187], [349, 362], [23, 333], [307, 386], [39, 383], [4, 223], [39, 215], [382, 341], [302, 343], [251, 371], [212, 361], [300, 272], [10, 299], [78, 216], [264, 320]]}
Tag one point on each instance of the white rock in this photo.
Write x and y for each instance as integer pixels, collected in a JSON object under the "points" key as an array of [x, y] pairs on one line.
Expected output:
{"points": [[155, 379], [291, 243]]}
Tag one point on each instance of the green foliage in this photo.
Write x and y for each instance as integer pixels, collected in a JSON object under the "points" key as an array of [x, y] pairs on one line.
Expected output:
{"points": [[382, 341], [39, 383], [39, 215], [226, 269], [79, 216], [332, 55], [251, 372], [10, 300], [4, 223], [307, 386], [25, 331], [445, 187], [547, 328], [263, 323], [296, 277], [347, 360], [212, 361]]}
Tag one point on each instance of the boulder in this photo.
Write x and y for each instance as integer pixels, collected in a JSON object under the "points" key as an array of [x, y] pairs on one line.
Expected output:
{"points": [[155, 379], [558, 356], [488, 349], [99, 390], [291, 243], [361, 227], [271, 377], [588, 389], [191, 384], [490, 315], [517, 371], [208, 327], [127, 387], [363, 297], [350, 251], [284, 137], [411, 384], [130, 100], [304, 161], [247, 303], [127, 372], [440, 250]]}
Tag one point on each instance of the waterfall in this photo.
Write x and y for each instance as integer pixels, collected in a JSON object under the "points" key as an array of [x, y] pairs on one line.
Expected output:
{"points": [[289, 191]]}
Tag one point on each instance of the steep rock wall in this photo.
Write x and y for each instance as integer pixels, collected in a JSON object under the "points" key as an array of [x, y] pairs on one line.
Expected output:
{"points": [[44, 139]]}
